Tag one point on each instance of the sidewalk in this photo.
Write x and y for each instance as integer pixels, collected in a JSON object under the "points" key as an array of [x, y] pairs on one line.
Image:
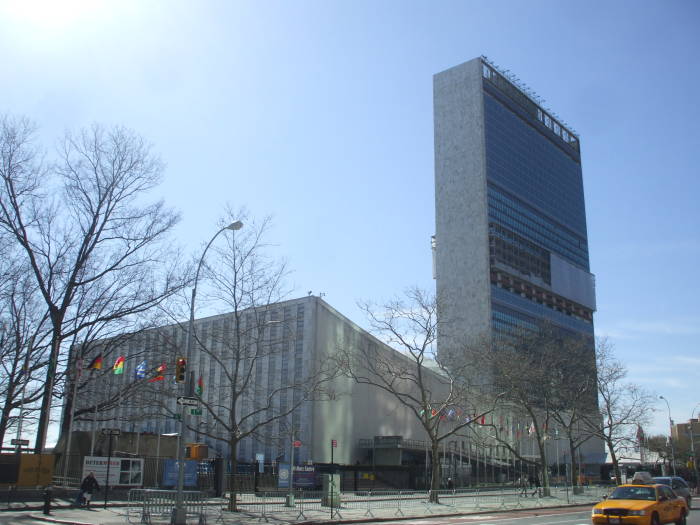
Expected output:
{"points": [[118, 513]]}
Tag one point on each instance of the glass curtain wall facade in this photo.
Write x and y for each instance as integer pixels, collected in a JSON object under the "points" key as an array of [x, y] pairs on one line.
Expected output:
{"points": [[511, 246], [536, 212]]}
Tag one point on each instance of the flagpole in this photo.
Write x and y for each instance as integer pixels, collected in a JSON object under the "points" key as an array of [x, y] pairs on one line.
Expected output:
{"points": [[94, 425], [97, 361], [556, 443], [158, 451], [119, 415], [66, 453]]}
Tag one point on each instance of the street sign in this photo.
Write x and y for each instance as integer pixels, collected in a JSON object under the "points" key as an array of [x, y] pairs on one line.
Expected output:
{"points": [[187, 401], [111, 431], [195, 411], [334, 443], [21, 442], [297, 444]]}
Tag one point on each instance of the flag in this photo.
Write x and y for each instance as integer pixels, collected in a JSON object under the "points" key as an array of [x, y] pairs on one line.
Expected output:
{"points": [[159, 374], [200, 386], [640, 434], [141, 370], [96, 364], [118, 367], [483, 420]]}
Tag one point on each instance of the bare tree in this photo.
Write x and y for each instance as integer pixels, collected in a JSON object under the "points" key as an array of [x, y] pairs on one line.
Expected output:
{"points": [[96, 250], [624, 406], [252, 336], [435, 394], [660, 446], [574, 392], [548, 379], [23, 351]]}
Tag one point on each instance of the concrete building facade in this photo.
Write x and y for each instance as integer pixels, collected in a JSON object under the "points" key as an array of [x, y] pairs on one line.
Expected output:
{"points": [[309, 331]]}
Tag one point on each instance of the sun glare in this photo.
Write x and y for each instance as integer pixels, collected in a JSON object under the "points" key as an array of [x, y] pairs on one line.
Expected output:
{"points": [[48, 14]]}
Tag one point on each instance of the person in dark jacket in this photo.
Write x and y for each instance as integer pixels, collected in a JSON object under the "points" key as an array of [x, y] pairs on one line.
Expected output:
{"points": [[87, 487]]}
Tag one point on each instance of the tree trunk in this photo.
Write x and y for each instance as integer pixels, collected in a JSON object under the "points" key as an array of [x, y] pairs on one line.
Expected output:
{"points": [[574, 465], [233, 484], [4, 419], [435, 471], [47, 396], [543, 463], [616, 465], [5, 415]]}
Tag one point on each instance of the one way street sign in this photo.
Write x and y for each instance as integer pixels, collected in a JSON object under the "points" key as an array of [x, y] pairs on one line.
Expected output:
{"points": [[187, 401]]}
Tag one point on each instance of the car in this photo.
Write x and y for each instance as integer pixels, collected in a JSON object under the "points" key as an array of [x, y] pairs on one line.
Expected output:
{"points": [[641, 504], [678, 485]]}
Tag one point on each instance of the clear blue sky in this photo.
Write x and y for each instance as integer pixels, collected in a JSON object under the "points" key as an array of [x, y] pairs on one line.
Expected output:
{"points": [[320, 113]]}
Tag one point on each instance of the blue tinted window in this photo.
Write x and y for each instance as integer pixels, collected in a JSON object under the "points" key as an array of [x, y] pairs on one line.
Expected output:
{"points": [[515, 216], [524, 162]]}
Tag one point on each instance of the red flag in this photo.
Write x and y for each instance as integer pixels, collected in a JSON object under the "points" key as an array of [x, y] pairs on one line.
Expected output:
{"points": [[640, 434], [159, 374], [96, 364]]}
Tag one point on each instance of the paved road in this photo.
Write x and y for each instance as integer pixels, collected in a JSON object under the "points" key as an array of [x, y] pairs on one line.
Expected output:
{"points": [[530, 517]]}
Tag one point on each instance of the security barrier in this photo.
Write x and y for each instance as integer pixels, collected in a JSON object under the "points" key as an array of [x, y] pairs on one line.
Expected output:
{"points": [[151, 506], [156, 506]]}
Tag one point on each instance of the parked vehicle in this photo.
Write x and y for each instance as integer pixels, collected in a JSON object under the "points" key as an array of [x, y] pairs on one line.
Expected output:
{"points": [[678, 484]]}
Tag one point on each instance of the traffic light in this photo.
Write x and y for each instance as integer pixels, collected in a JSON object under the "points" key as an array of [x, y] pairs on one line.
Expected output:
{"points": [[180, 368]]}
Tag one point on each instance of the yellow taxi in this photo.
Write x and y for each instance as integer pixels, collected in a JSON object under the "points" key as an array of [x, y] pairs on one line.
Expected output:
{"points": [[641, 504]]}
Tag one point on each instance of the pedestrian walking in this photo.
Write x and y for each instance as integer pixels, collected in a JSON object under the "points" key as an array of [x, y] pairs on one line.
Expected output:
{"points": [[87, 487]]}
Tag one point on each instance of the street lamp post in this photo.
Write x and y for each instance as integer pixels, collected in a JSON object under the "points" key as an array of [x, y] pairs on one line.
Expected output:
{"points": [[692, 445], [180, 511], [670, 436]]}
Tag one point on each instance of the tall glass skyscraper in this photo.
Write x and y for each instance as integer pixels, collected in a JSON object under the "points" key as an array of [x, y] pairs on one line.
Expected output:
{"points": [[511, 247]]}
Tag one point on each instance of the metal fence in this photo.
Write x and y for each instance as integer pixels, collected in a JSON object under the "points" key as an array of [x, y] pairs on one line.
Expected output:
{"points": [[156, 506], [295, 506]]}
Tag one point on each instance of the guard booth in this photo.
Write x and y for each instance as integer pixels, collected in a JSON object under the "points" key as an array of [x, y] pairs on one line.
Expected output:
{"points": [[331, 490], [196, 451]]}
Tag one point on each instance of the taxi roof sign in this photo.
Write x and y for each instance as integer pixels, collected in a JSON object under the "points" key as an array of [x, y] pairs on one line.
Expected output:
{"points": [[642, 478]]}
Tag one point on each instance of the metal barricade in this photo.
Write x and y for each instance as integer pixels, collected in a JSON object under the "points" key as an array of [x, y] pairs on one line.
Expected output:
{"points": [[158, 505]]}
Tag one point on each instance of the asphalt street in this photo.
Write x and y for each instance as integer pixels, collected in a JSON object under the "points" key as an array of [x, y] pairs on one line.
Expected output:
{"points": [[530, 517]]}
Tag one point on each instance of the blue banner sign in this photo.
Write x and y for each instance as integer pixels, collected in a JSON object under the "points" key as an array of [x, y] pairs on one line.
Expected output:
{"points": [[283, 475], [170, 472]]}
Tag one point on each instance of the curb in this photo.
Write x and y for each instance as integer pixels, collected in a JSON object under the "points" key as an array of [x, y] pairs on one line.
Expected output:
{"points": [[48, 519]]}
